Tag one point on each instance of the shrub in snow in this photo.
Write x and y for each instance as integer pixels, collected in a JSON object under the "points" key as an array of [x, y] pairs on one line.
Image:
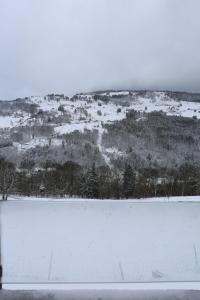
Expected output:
{"points": [[61, 108]]}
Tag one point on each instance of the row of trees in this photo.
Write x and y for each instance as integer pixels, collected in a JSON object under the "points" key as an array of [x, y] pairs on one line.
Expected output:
{"points": [[70, 179], [7, 178]]}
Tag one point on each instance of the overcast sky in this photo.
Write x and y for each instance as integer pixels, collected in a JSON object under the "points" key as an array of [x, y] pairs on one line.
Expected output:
{"points": [[70, 46]]}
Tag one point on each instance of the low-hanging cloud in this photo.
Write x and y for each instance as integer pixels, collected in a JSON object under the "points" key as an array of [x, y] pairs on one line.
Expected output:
{"points": [[74, 46]]}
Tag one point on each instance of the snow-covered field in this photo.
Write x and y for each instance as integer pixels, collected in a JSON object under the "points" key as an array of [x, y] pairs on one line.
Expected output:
{"points": [[83, 241]]}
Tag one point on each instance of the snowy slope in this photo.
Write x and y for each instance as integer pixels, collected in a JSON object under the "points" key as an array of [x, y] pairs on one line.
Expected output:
{"points": [[85, 106], [64, 115], [109, 113], [100, 241]]}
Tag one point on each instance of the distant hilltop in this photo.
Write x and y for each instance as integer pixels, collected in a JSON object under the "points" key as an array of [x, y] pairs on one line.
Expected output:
{"points": [[105, 127]]}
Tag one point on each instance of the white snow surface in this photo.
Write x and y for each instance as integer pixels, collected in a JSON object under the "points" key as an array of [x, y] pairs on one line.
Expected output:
{"points": [[102, 241], [10, 121]]}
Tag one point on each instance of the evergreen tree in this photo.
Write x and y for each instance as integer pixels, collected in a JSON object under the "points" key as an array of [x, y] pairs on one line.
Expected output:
{"points": [[128, 181], [7, 177], [82, 185], [92, 185]]}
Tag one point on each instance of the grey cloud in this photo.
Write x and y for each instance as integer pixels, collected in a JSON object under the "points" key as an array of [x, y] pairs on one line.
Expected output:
{"points": [[74, 46]]}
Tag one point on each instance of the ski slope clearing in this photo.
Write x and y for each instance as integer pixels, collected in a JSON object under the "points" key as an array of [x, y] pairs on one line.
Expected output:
{"points": [[100, 242]]}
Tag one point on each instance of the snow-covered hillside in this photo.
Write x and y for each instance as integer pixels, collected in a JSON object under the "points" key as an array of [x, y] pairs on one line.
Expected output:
{"points": [[55, 121], [100, 241], [86, 111]]}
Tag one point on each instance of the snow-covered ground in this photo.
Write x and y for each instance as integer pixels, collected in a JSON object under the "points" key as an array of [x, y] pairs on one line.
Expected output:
{"points": [[84, 241], [86, 112], [160, 102], [109, 112], [9, 121]]}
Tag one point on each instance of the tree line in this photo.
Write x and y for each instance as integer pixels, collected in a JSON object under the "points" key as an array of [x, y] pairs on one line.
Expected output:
{"points": [[72, 180]]}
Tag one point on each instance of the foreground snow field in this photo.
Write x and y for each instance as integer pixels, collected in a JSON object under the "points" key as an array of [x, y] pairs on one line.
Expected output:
{"points": [[82, 241]]}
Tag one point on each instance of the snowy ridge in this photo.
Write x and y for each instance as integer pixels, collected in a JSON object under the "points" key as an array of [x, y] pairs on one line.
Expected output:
{"points": [[94, 111], [85, 112]]}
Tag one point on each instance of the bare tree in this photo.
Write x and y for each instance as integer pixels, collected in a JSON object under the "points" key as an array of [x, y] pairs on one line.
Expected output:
{"points": [[7, 177]]}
